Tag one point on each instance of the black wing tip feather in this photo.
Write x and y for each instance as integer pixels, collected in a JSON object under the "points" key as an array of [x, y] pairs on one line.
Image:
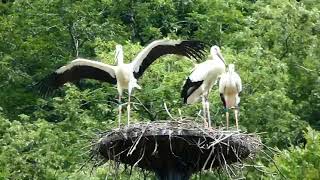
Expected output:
{"points": [[195, 48], [196, 43], [185, 90], [46, 86]]}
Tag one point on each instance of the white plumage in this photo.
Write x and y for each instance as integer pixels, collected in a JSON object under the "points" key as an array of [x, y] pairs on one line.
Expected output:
{"points": [[124, 75], [203, 77], [229, 87]]}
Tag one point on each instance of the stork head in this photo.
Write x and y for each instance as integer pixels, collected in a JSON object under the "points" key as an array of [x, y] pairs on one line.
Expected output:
{"points": [[119, 54], [215, 50], [231, 67]]}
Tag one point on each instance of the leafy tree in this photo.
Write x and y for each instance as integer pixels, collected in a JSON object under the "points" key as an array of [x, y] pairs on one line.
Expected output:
{"points": [[299, 162], [274, 45]]}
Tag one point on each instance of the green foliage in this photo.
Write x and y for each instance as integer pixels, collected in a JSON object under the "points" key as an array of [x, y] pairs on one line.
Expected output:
{"points": [[300, 162], [274, 45]]}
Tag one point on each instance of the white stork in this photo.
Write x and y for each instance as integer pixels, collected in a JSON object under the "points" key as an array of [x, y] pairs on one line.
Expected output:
{"points": [[229, 87], [201, 80], [124, 75]]}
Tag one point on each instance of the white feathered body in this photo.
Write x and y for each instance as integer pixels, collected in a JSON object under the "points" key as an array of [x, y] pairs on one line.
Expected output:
{"points": [[125, 78], [123, 74], [208, 72], [230, 86]]}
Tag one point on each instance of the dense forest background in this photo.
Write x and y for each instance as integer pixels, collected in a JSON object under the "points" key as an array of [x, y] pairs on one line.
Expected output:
{"points": [[274, 44]]}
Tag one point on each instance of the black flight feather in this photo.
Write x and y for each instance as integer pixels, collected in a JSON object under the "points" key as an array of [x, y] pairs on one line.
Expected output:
{"points": [[189, 48], [53, 81], [188, 88]]}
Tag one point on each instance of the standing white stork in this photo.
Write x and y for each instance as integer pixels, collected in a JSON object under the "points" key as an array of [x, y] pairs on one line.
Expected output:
{"points": [[229, 87], [201, 80], [124, 75]]}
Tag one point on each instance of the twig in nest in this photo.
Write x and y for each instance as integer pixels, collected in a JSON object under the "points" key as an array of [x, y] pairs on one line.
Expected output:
{"points": [[85, 163], [155, 146], [198, 115], [205, 164], [146, 109], [86, 152], [121, 152], [258, 168], [136, 142], [200, 144], [204, 132], [219, 158], [165, 106], [189, 142], [236, 154], [171, 147], [272, 150], [135, 164], [179, 110], [225, 165], [240, 168], [234, 174], [90, 145], [228, 145], [214, 158], [220, 140]]}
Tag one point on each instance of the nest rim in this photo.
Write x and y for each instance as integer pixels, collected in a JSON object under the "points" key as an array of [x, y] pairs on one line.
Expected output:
{"points": [[136, 145]]}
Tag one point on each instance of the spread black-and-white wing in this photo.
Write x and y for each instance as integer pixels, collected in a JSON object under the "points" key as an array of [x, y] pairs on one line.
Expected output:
{"points": [[74, 71], [189, 48]]}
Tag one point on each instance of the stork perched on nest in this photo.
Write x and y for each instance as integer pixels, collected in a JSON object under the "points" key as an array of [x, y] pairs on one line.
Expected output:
{"points": [[124, 75], [229, 87], [201, 80]]}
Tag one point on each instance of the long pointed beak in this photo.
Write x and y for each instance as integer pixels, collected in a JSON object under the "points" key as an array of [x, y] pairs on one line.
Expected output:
{"points": [[221, 57]]}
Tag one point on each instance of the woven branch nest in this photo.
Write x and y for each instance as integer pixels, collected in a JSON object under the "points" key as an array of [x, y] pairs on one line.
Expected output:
{"points": [[181, 145]]}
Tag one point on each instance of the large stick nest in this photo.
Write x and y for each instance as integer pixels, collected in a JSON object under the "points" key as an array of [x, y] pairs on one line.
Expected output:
{"points": [[172, 144]]}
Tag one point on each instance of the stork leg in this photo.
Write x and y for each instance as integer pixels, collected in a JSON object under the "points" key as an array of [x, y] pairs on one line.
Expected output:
{"points": [[208, 112], [119, 110], [227, 118], [236, 117], [128, 108], [204, 111]]}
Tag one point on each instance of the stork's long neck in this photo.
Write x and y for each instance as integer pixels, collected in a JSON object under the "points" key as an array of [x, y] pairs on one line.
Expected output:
{"points": [[230, 72], [119, 56]]}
